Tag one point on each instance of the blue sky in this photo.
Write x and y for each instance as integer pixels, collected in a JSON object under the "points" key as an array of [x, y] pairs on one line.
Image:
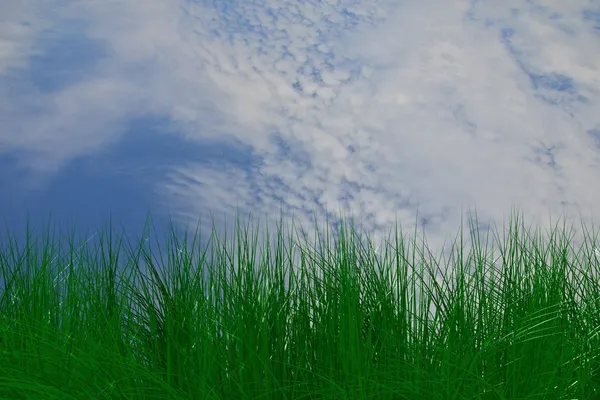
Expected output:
{"points": [[377, 108]]}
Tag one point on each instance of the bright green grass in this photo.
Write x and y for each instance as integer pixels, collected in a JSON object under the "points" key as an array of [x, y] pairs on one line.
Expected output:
{"points": [[342, 322]]}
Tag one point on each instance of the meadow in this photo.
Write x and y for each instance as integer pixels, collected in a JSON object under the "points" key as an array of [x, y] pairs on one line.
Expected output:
{"points": [[334, 318]]}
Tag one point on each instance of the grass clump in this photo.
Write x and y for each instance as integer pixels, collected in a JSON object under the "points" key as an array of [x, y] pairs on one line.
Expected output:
{"points": [[330, 320]]}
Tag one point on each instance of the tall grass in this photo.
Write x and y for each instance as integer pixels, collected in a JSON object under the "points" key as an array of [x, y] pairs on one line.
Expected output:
{"points": [[329, 320]]}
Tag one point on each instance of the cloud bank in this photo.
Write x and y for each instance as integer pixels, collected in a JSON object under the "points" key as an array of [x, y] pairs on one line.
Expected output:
{"points": [[378, 108]]}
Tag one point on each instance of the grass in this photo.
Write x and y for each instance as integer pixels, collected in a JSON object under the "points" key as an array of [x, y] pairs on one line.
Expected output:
{"points": [[329, 320]]}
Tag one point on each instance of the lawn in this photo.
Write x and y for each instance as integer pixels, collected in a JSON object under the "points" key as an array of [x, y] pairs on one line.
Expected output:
{"points": [[329, 319]]}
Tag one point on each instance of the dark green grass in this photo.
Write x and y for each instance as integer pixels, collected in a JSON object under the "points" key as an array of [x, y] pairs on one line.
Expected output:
{"points": [[333, 319]]}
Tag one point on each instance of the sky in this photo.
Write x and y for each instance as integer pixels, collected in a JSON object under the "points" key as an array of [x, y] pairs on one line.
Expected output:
{"points": [[419, 112]]}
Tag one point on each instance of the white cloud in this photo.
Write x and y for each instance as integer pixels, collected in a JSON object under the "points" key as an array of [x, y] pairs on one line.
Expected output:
{"points": [[410, 105]]}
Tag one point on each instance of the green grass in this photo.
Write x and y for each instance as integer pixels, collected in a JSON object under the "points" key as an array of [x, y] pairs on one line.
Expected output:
{"points": [[331, 319]]}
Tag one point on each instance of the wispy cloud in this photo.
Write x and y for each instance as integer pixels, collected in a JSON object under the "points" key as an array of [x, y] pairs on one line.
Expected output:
{"points": [[377, 107]]}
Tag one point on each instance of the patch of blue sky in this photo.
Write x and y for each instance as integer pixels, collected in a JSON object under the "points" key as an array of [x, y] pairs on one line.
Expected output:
{"points": [[553, 88], [594, 17], [291, 149], [68, 57], [595, 134]]}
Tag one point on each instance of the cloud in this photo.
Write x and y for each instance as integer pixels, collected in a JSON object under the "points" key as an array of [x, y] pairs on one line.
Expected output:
{"points": [[378, 108]]}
